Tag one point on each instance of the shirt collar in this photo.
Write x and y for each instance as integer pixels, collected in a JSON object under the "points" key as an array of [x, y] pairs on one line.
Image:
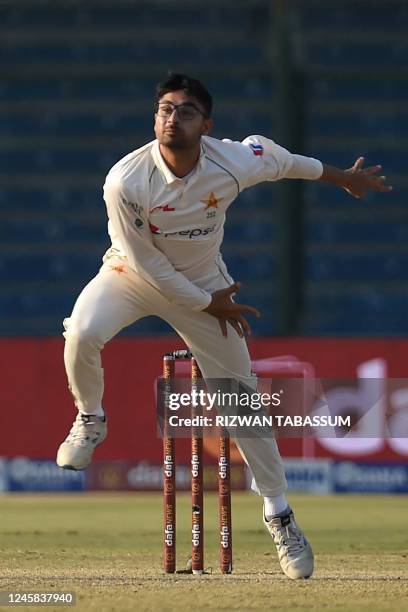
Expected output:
{"points": [[168, 175]]}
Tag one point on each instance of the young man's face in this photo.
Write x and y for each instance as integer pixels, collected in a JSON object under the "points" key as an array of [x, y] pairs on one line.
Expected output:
{"points": [[180, 129]]}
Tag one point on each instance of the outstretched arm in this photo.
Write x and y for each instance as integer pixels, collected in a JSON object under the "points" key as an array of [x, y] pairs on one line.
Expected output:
{"points": [[265, 160], [356, 180]]}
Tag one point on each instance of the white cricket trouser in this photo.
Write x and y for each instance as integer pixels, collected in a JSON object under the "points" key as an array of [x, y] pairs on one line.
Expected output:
{"points": [[117, 297]]}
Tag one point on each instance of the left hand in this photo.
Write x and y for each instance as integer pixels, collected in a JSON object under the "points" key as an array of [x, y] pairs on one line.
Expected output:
{"points": [[223, 308], [359, 180]]}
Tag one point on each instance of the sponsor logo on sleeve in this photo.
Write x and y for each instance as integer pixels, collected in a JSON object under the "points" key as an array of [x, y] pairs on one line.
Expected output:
{"points": [[136, 207], [139, 223], [257, 149]]}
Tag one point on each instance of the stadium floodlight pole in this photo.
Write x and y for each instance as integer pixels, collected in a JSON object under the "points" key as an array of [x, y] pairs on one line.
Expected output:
{"points": [[288, 107], [169, 474], [197, 498]]}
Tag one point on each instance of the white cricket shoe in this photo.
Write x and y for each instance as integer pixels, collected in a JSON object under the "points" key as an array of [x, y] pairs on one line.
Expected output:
{"points": [[294, 551], [88, 430]]}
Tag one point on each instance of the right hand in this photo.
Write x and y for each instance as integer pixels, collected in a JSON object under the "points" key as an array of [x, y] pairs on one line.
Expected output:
{"points": [[360, 180], [225, 310]]}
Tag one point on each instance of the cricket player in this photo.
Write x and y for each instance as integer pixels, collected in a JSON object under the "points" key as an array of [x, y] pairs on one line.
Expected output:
{"points": [[166, 204]]}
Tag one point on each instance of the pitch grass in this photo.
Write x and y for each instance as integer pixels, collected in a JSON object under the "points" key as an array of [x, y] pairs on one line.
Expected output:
{"points": [[107, 548]]}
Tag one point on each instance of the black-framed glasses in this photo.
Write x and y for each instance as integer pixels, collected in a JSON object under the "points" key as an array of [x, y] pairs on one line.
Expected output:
{"points": [[186, 111]]}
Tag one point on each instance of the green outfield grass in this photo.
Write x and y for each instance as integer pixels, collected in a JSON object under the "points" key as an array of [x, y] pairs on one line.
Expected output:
{"points": [[107, 548]]}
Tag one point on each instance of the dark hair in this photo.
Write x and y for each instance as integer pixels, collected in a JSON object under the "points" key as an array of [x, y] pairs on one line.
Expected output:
{"points": [[176, 81]]}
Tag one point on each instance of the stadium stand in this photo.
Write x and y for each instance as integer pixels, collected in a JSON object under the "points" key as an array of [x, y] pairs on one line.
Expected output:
{"points": [[76, 88], [354, 61]]}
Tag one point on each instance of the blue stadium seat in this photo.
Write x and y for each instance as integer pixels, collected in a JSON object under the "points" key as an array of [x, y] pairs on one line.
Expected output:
{"points": [[355, 15], [122, 16], [368, 88], [350, 53], [53, 198], [131, 51], [56, 229], [368, 265], [32, 266], [357, 125], [251, 230], [365, 233], [254, 264]]}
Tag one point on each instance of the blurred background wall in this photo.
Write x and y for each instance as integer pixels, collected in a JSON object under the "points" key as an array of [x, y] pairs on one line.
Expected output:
{"points": [[328, 79]]}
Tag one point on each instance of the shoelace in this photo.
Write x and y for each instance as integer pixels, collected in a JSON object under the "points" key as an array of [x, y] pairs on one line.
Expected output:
{"points": [[79, 433], [289, 538]]}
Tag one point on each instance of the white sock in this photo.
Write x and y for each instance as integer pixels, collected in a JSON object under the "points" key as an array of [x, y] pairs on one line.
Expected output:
{"points": [[98, 412], [275, 505]]}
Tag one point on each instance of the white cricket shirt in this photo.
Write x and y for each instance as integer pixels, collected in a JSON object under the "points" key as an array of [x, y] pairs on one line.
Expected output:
{"points": [[170, 229]]}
